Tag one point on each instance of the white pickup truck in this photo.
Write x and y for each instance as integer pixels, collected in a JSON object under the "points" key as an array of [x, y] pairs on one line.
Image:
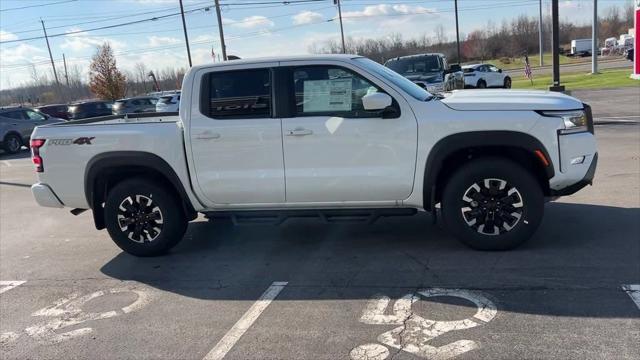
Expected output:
{"points": [[335, 136]]}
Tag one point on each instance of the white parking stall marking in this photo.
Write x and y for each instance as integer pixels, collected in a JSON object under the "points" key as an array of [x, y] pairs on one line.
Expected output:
{"points": [[232, 336], [415, 332], [8, 285], [634, 292]]}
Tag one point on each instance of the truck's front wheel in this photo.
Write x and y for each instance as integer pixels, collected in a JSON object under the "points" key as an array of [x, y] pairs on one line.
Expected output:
{"points": [[492, 204], [144, 219]]}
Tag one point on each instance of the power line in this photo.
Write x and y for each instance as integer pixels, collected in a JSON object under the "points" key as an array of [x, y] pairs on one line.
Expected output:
{"points": [[263, 32], [37, 5], [106, 27]]}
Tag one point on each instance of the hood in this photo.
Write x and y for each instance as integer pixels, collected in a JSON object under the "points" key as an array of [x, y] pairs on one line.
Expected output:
{"points": [[426, 77], [483, 99]]}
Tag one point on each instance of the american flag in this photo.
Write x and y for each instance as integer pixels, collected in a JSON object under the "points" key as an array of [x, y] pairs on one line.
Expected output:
{"points": [[527, 68]]}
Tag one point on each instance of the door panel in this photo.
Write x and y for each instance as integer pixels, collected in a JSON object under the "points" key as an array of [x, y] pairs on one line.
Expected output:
{"points": [[236, 145], [335, 151]]}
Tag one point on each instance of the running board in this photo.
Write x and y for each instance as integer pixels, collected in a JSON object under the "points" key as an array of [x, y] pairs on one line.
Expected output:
{"points": [[277, 217]]}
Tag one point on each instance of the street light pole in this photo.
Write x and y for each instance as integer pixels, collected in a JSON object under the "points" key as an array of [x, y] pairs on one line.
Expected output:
{"points": [[457, 31], [184, 28], [222, 45], [594, 39], [555, 47], [337, 2]]}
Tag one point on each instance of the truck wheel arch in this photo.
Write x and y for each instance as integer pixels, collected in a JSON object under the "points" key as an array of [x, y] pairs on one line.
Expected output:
{"points": [[101, 169], [453, 150]]}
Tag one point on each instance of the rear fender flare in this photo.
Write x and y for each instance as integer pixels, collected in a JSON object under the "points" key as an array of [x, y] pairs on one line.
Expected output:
{"points": [[135, 160]]}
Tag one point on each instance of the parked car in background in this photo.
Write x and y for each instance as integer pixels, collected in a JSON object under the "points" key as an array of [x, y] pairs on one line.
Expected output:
{"points": [[485, 75], [134, 105], [168, 103], [88, 109], [56, 110], [628, 54], [429, 71], [17, 124]]}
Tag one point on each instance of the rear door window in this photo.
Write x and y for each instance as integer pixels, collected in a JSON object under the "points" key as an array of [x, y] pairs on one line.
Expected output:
{"points": [[238, 94]]}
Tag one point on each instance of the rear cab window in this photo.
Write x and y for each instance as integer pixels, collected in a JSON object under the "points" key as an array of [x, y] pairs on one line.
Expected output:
{"points": [[237, 94]]}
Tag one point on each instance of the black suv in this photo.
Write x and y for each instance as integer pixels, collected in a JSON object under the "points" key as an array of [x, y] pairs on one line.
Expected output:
{"points": [[87, 109], [429, 71], [135, 105]]}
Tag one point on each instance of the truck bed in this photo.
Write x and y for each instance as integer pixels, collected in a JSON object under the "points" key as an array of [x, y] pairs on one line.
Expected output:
{"points": [[67, 160]]}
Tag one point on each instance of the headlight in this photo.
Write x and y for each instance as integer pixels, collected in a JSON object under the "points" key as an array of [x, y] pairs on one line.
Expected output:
{"points": [[574, 120]]}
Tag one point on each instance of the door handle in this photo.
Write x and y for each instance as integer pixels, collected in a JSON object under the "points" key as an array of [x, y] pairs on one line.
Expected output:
{"points": [[208, 136], [299, 132]]}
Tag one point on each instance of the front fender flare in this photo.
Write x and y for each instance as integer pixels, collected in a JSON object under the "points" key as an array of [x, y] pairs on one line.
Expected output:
{"points": [[475, 139]]}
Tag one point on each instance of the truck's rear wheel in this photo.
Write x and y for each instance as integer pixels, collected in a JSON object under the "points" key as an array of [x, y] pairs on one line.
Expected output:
{"points": [[492, 204], [144, 219]]}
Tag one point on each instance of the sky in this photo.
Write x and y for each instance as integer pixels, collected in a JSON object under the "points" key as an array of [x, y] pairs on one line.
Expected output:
{"points": [[252, 28]]}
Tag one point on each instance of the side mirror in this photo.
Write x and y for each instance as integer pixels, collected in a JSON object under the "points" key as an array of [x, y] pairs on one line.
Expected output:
{"points": [[376, 101], [500, 70], [455, 68]]}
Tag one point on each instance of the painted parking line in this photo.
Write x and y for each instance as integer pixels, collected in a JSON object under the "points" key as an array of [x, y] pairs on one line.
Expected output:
{"points": [[8, 285], [232, 336], [634, 292]]}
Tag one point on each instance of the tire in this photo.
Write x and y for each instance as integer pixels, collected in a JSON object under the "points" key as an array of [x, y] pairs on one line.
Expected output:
{"points": [[154, 234], [507, 83], [12, 144], [515, 218], [481, 84]]}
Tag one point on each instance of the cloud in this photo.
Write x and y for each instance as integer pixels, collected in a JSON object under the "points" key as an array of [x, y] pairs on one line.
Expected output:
{"points": [[20, 54], [569, 4], [251, 22], [162, 40], [307, 17], [7, 36], [387, 10], [81, 41]]}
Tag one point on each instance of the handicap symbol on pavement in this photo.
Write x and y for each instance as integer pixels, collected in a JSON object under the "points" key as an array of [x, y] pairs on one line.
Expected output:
{"points": [[415, 332]]}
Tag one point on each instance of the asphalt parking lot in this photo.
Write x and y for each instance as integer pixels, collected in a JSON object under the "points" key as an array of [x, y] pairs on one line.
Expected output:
{"points": [[401, 288]]}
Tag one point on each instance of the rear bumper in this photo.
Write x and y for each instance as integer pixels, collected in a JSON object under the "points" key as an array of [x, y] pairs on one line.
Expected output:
{"points": [[45, 196], [586, 180]]}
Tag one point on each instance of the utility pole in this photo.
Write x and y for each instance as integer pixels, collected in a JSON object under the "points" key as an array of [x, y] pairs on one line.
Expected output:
{"points": [[555, 47], [224, 47], [55, 73], [540, 36], [337, 2], [457, 30], [594, 39], [186, 38], [66, 75]]}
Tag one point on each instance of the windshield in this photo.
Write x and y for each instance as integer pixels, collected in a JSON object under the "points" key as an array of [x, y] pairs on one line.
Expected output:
{"points": [[165, 99], [415, 65], [398, 80]]}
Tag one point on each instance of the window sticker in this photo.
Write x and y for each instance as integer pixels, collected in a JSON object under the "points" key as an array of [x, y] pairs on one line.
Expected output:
{"points": [[327, 95]]}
